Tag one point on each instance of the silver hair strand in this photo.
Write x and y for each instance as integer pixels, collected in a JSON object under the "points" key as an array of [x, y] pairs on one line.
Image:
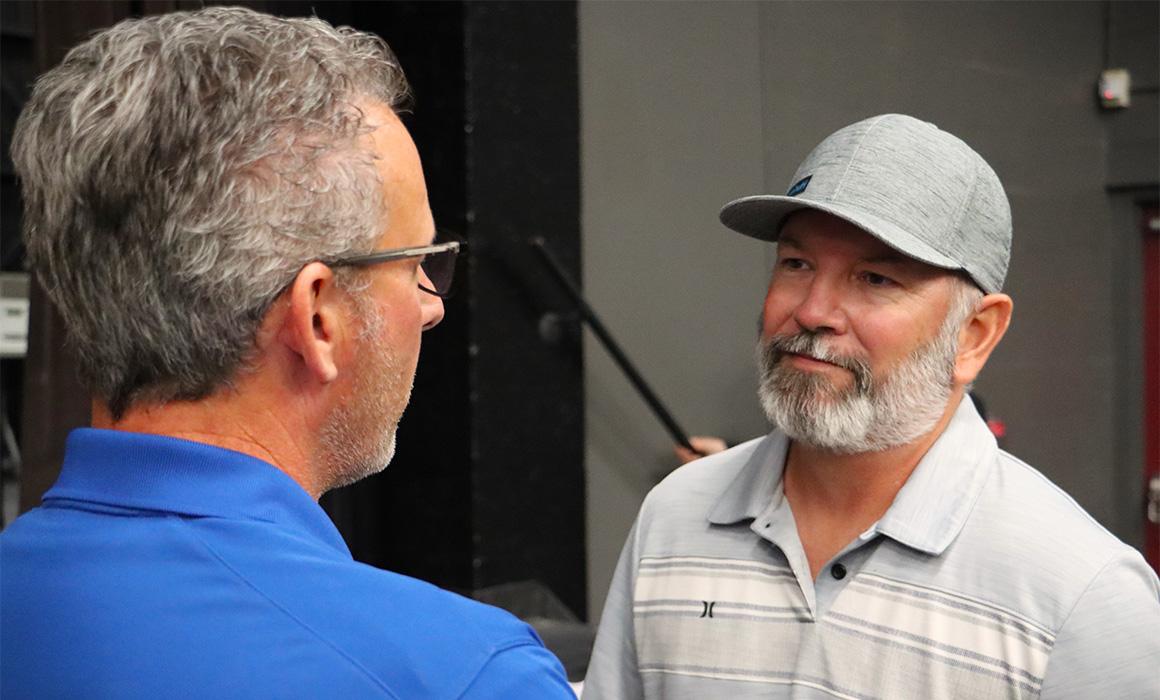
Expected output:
{"points": [[178, 170]]}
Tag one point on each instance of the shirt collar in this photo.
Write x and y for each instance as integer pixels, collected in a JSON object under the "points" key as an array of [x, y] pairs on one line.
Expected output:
{"points": [[933, 505], [748, 495], [928, 512], [160, 473]]}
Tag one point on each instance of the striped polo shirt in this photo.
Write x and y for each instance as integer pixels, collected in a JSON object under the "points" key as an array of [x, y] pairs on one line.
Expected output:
{"points": [[982, 580]]}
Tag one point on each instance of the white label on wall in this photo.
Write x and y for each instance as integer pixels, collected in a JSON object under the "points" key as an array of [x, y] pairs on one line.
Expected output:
{"points": [[13, 327]]}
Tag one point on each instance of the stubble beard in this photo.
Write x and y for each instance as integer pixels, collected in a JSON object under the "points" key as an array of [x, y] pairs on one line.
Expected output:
{"points": [[870, 413], [358, 440]]}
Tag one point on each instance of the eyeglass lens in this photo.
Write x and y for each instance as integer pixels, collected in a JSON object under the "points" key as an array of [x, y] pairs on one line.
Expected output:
{"points": [[440, 269]]}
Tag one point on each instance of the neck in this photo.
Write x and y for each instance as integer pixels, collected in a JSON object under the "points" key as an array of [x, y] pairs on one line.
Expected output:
{"points": [[234, 419], [835, 497]]}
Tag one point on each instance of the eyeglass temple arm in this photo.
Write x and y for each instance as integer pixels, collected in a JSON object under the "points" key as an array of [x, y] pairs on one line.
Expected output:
{"points": [[634, 377]]}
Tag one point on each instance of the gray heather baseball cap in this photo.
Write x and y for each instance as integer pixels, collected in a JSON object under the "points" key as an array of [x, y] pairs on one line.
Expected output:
{"points": [[916, 188]]}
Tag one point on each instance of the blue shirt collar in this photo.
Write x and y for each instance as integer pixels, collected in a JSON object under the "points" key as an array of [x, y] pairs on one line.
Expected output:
{"points": [[160, 473], [928, 512]]}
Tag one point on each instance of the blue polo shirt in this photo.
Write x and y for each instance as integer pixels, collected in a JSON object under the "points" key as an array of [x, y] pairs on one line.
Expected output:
{"points": [[159, 567]]}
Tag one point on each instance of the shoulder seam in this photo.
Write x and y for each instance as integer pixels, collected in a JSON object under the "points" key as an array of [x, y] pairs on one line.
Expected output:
{"points": [[510, 645], [314, 633], [1075, 604], [1035, 473]]}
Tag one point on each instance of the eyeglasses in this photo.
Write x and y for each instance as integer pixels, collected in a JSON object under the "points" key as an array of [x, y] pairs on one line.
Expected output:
{"points": [[438, 262]]}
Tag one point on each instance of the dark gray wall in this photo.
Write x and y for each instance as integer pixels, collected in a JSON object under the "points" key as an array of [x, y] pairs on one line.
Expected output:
{"points": [[682, 102], [670, 105]]}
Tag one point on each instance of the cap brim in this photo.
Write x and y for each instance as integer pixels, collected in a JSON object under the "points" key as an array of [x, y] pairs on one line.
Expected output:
{"points": [[762, 216]]}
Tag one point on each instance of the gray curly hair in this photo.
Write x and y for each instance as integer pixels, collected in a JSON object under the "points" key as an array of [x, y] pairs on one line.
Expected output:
{"points": [[178, 171]]}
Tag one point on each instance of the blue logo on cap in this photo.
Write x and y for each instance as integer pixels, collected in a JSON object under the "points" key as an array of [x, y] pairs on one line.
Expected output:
{"points": [[799, 186]]}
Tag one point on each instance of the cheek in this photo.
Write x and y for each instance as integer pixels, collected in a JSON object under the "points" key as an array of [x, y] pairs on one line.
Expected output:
{"points": [[776, 312], [887, 341], [401, 315], [406, 326]]}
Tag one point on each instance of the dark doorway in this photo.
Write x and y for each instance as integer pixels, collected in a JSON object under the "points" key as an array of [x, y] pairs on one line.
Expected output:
{"points": [[1150, 230]]}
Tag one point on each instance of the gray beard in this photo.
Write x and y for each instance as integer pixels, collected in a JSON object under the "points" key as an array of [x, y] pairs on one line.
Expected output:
{"points": [[872, 413]]}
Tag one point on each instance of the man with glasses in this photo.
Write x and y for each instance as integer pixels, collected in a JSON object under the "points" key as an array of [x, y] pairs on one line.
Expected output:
{"points": [[233, 222], [877, 543]]}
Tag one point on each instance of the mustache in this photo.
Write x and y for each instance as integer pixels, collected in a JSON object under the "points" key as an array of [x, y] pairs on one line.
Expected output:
{"points": [[812, 344]]}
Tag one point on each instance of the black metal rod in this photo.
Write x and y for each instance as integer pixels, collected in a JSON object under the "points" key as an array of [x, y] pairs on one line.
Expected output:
{"points": [[634, 377]]}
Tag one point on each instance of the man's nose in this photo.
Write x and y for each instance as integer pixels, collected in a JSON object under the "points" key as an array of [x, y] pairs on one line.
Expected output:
{"points": [[432, 311], [821, 309], [432, 306]]}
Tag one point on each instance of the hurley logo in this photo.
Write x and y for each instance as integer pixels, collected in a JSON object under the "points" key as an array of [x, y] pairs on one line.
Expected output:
{"points": [[799, 186]]}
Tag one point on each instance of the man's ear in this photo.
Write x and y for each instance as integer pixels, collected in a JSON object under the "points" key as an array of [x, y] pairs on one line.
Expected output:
{"points": [[314, 323], [980, 334]]}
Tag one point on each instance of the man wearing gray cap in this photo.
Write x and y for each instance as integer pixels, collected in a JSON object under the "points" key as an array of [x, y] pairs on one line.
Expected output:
{"points": [[877, 543]]}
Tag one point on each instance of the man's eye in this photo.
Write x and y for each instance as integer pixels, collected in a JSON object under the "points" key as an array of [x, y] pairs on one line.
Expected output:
{"points": [[876, 280], [792, 263]]}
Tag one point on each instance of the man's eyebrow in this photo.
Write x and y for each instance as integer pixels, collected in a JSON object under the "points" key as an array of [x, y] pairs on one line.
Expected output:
{"points": [[889, 258], [785, 239]]}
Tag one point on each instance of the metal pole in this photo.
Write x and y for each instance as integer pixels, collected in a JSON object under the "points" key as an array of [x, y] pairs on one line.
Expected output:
{"points": [[634, 377]]}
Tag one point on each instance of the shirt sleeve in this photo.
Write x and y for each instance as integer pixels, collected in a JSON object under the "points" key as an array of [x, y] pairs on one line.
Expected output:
{"points": [[612, 671], [524, 671], [1109, 646]]}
